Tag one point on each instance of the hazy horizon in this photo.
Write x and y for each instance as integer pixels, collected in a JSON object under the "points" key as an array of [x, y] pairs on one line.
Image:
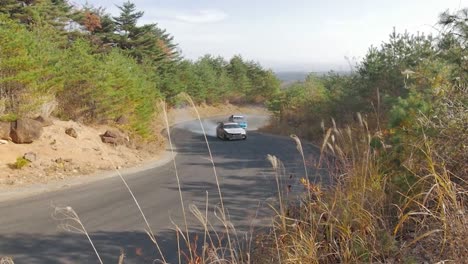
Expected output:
{"points": [[286, 36]]}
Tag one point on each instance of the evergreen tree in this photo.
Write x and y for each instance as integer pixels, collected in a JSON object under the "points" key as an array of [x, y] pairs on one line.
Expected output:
{"points": [[238, 71], [27, 64], [453, 42], [54, 13], [147, 42]]}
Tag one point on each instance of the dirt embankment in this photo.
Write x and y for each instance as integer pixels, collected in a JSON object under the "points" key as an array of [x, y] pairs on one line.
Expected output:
{"points": [[59, 156]]}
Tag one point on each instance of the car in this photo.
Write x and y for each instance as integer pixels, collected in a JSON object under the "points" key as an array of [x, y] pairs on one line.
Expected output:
{"points": [[230, 130], [240, 119]]}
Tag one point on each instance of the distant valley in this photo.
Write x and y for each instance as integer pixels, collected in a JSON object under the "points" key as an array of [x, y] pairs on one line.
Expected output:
{"points": [[291, 76], [300, 76]]}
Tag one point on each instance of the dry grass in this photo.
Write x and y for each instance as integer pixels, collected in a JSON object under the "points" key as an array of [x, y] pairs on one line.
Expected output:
{"points": [[364, 217], [434, 211], [219, 246], [6, 260], [71, 222], [340, 223]]}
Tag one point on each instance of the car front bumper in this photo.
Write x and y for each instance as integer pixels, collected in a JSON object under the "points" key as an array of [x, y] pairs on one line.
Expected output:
{"points": [[235, 136]]}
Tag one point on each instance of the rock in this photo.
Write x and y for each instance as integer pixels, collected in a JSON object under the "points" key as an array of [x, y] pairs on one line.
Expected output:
{"points": [[30, 156], [113, 137], [109, 140], [71, 132], [112, 134], [25, 131], [5, 128], [45, 121]]}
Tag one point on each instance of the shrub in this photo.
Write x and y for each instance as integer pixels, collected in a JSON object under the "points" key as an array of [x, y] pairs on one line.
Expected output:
{"points": [[20, 163], [8, 117]]}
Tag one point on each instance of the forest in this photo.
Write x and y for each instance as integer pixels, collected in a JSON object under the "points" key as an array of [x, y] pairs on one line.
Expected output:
{"points": [[96, 67], [392, 135]]}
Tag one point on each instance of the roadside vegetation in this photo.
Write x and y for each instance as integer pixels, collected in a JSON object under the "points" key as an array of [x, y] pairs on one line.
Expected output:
{"points": [[83, 64], [392, 135], [394, 139], [20, 163]]}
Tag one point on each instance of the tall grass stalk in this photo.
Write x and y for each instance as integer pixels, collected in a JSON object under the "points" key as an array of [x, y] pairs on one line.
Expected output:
{"points": [[434, 198], [341, 224], [168, 129], [223, 211], [300, 149], [364, 216], [149, 231], [6, 260], [205, 234], [71, 222], [277, 244], [276, 165]]}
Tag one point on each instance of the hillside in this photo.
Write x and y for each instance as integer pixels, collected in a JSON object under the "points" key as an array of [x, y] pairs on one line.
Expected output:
{"points": [[107, 68], [58, 157], [390, 138], [291, 76]]}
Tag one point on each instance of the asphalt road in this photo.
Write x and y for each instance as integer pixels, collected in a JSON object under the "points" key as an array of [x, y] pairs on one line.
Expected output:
{"points": [[30, 234]]}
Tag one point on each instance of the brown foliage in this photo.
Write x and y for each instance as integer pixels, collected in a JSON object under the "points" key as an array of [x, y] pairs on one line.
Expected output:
{"points": [[91, 21], [164, 48]]}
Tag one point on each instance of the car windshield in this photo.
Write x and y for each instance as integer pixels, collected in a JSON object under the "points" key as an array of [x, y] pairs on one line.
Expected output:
{"points": [[232, 126]]}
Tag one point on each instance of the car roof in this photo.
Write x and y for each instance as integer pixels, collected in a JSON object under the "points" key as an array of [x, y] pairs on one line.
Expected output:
{"points": [[230, 123], [241, 116]]}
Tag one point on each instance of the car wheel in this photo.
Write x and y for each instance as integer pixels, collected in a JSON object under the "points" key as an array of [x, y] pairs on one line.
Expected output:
{"points": [[244, 137]]}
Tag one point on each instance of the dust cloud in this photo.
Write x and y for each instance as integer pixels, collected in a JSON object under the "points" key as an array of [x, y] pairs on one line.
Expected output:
{"points": [[194, 127], [185, 118]]}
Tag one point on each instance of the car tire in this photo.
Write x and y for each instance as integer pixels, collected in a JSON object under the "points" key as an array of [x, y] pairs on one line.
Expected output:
{"points": [[244, 137]]}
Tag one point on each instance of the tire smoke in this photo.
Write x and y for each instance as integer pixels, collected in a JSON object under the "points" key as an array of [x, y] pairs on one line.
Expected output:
{"points": [[194, 127]]}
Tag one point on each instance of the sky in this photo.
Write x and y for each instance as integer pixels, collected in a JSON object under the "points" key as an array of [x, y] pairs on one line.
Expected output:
{"points": [[287, 35]]}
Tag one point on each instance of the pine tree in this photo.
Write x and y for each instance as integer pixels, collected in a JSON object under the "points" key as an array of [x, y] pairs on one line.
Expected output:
{"points": [[147, 42], [54, 13], [134, 39]]}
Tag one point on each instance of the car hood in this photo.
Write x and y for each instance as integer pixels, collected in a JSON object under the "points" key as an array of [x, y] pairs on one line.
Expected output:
{"points": [[235, 130]]}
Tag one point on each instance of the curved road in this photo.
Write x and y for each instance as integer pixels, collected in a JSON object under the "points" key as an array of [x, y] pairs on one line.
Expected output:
{"points": [[29, 233]]}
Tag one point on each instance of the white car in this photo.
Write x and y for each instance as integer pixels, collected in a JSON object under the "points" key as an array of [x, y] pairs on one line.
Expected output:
{"points": [[230, 130]]}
